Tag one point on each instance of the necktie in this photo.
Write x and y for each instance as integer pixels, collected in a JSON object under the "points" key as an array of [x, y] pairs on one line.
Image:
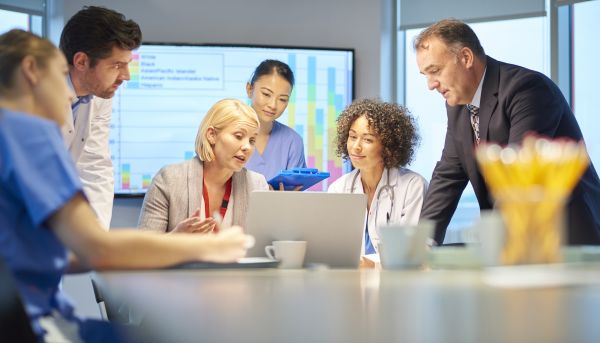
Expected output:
{"points": [[474, 110]]}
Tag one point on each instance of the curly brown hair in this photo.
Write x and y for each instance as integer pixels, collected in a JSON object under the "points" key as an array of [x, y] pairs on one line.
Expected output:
{"points": [[392, 123]]}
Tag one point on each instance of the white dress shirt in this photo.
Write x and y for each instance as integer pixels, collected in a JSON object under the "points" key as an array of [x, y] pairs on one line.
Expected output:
{"points": [[86, 134]]}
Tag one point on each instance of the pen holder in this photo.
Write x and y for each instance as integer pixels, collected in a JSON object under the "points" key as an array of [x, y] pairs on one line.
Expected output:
{"points": [[531, 184], [534, 220]]}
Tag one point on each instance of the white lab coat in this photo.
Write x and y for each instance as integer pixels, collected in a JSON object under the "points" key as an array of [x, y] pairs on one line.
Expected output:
{"points": [[409, 194], [87, 141]]}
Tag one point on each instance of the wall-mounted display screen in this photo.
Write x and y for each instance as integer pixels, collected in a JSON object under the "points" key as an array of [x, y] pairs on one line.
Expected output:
{"points": [[157, 113]]}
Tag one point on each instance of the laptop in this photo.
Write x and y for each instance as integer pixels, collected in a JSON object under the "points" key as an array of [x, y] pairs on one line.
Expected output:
{"points": [[332, 224]]}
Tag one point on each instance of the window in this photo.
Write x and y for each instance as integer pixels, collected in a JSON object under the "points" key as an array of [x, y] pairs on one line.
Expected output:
{"points": [[530, 50], [28, 15], [13, 20], [585, 27]]}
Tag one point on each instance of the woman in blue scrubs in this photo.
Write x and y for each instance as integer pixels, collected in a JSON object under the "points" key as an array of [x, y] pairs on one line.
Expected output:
{"points": [[44, 214], [278, 147]]}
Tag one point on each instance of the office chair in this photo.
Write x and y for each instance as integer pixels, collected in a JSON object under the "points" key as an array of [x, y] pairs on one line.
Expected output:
{"points": [[99, 299], [14, 322], [108, 311]]}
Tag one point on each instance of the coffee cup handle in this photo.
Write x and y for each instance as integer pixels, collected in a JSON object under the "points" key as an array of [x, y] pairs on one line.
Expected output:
{"points": [[270, 251]]}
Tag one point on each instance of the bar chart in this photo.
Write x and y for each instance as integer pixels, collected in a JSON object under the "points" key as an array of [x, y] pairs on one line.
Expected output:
{"points": [[157, 114]]}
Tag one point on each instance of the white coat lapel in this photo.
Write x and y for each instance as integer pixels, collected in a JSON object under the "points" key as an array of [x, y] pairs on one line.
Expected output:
{"points": [[68, 129]]}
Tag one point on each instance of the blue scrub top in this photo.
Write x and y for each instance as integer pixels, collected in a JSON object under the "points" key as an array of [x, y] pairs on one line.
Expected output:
{"points": [[284, 150], [37, 177]]}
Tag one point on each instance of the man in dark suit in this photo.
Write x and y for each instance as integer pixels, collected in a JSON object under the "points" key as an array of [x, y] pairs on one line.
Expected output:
{"points": [[488, 100]]}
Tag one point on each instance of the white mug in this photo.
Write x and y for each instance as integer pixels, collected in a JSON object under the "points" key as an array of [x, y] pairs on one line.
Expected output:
{"points": [[489, 232], [404, 246], [289, 253]]}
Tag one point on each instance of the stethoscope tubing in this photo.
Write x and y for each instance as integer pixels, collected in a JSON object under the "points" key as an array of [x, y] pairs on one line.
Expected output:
{"points": [[385, 187]]}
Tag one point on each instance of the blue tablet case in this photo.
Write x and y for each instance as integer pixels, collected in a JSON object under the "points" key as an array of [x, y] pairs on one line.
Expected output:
{"points": [[306, 177]]}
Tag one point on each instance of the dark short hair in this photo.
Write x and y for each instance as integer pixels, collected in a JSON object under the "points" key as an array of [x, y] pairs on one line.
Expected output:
{"points": [[95, 31], [268, 67], [392, 123], [454, 33], [15, 45]]}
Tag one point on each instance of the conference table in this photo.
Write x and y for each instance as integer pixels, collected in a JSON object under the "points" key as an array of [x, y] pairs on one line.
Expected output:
{"points": [[551, 303]]}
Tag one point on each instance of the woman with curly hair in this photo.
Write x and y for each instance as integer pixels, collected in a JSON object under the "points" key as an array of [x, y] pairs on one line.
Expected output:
{"points": [[380, 138]]}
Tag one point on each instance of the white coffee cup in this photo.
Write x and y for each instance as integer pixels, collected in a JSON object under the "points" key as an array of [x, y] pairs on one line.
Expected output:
{"points": [[489, 235], [289, 253], [404, 246]]}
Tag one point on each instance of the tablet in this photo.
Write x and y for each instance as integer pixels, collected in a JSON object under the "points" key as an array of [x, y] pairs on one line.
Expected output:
{"points": [[292, 178]]}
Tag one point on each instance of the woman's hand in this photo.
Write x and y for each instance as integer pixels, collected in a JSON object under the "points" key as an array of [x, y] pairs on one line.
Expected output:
{"points": [[227, 246], [366, 263], [194, 224]]}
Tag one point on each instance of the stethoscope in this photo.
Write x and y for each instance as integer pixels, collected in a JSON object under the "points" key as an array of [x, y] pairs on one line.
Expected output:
{"points": [[387, 188]]}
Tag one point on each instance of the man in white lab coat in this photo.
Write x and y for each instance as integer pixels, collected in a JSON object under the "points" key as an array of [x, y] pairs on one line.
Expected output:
{"points": [[98, 44]]}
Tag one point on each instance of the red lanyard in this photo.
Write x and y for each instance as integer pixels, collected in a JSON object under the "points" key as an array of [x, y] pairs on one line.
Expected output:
{"points": [[224, 203]]}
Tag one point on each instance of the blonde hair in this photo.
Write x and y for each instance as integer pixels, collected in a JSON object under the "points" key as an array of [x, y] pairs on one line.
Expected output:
{"points": [[222, 114], [17, 44]]}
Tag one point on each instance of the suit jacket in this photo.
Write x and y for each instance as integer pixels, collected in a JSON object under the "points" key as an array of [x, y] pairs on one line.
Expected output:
{"points": [[514, 101], [176, 192]]}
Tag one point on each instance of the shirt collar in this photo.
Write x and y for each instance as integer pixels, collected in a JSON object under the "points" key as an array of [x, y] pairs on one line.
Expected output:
{"points": [[477, 97], [84, 99]]}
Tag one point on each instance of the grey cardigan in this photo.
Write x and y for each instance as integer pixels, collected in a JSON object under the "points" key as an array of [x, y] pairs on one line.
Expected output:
{"points": [[176, 191]]}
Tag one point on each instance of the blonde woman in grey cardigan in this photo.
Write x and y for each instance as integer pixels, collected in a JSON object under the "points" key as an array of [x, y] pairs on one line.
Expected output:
{"points": [[183, 197]]}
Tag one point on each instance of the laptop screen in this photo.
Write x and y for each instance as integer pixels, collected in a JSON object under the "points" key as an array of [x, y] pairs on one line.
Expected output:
{"points": [[331, 223]]}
